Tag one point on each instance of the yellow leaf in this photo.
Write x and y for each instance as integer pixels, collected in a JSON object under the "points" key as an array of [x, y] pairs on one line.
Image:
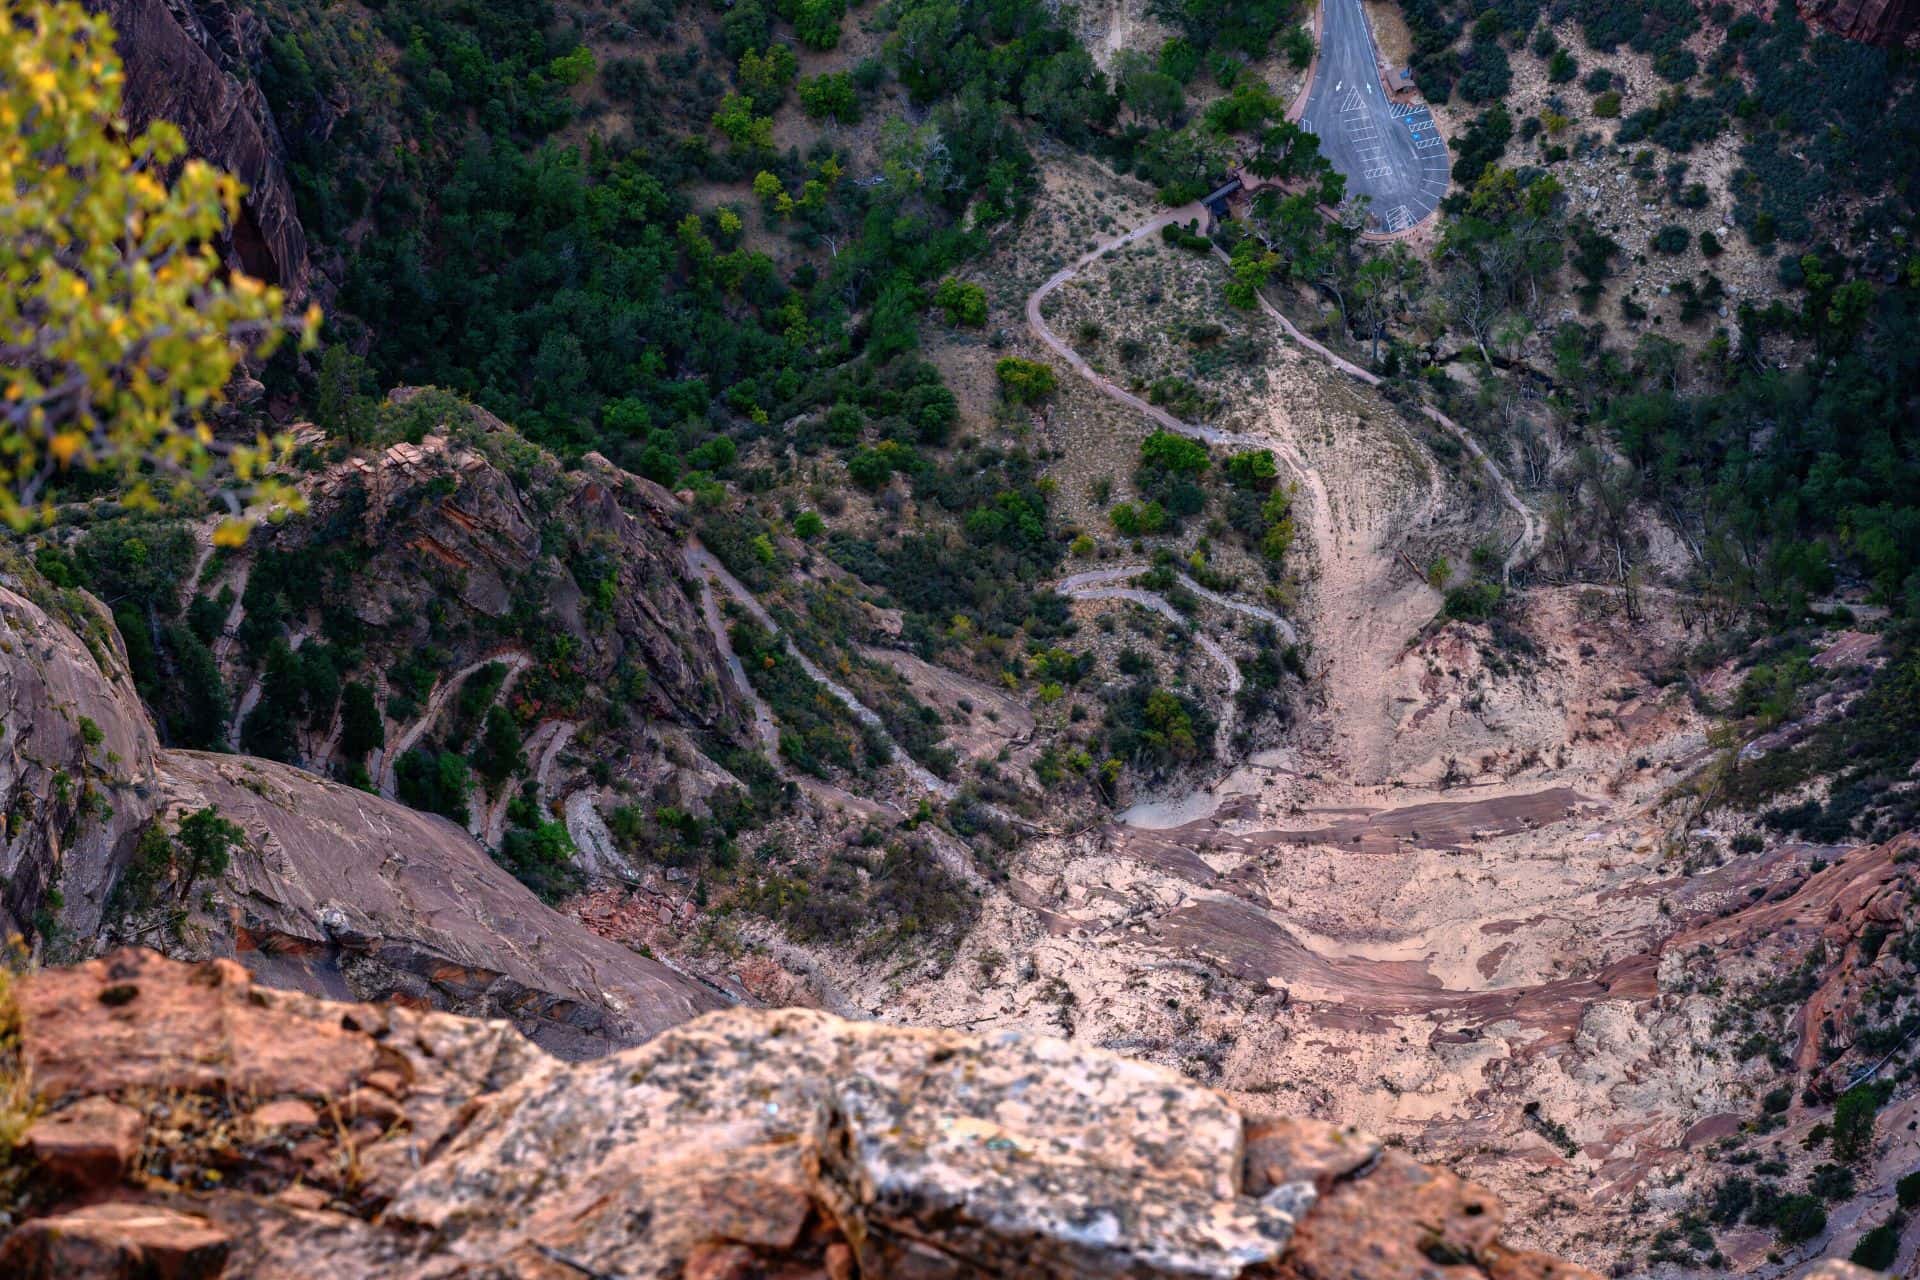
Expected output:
{"points": [[231, 532], [65, 445]]}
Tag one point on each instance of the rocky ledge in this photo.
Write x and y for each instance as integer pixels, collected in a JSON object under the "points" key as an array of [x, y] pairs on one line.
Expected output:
{"points": [[189, 1123]]}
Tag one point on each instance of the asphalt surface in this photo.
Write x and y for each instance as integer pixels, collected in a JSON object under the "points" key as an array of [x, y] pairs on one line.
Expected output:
{"points": [[1389, 150]]}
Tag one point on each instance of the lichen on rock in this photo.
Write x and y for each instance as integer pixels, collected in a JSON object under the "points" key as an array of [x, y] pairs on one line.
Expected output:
{"points": [[230, 1129]]}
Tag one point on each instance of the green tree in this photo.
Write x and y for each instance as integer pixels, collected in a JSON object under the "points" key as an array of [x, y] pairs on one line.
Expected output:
{"points": [[1149, 93], [438, 782], [1853, 1118], [1671, 238], [735, 118], [1138, 520], [499, 756], [268, 728], [1068, 94], [362, 728], [539, 853], [1253, 469], [1277, 514], [766, 75], [1251, 268], [205, 840], [1169, 726], [114, 345], [830, 97], [342, 406], [817, 22], [1799, 1218], [1878, 1249], [201, 719], [1174, 453], [572, 67]]}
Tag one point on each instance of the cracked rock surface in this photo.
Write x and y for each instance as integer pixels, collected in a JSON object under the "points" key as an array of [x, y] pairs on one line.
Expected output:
{"points": [[278, 1134]]}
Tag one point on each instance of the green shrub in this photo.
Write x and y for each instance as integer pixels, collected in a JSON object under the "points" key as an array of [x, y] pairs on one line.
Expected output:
{"points": [[817, 22], [438, 782], [1671, 239], [1138, 519], [1799, 1218], [1171, 452], [1472, 601], [1253, 469], [1025, 381], [1878, 1249], [361, 726], [964, 302]]}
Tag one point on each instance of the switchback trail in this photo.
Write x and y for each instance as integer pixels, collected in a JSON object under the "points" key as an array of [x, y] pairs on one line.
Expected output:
{"points": [[1159, 604], [706, 567], [1056, 344], [1077, 584], [1533, 528], [1362, 595]]}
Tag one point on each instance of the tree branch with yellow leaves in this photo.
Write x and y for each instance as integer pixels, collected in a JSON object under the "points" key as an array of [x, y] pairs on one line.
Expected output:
{"points": [[120, 327]]}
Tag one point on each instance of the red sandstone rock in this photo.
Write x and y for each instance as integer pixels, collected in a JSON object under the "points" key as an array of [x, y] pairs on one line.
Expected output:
{"points": [[288, 1114], [776, 1145], [89, 1145], [135, 1020], [116, 1242]]}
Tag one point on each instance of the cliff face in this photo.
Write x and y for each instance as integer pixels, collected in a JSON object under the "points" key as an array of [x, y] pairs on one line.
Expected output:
{"points": [[453, 525], [190, 64], [77, 759], [332, 890], [1873, 21], [200, 1125]]}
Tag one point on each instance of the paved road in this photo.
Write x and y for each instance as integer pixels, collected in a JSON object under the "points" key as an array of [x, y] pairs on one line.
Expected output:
{"points": [[1389, 150]]}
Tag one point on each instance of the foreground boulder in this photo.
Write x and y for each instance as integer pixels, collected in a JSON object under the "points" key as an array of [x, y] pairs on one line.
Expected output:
{"points": [[278, 1134]]}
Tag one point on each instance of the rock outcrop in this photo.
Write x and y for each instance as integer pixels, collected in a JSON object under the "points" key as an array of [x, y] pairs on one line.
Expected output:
{"points": [[459, 539], [331, 891], [190, 64], [343, 894], [200, 1125], [77, 757]]}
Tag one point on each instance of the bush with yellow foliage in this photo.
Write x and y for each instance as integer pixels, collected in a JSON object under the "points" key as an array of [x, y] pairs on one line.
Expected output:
{"points": [[119, 325]]}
